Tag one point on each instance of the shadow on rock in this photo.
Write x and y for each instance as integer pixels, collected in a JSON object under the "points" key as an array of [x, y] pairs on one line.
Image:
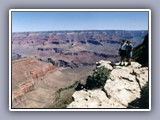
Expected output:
{"points": [[143, 101]]}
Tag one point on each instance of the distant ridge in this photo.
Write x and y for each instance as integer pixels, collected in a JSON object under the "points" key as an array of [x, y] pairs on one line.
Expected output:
{"points": [[74, 31]]}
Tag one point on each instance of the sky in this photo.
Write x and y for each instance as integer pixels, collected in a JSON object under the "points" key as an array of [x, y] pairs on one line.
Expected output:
{"points": [[52, 21]]}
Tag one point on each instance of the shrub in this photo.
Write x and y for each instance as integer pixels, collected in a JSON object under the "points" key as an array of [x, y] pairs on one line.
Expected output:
{"points": [[98, 78], [63, 96]]}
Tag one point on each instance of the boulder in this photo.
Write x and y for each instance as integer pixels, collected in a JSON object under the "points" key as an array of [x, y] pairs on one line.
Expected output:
{"points": [[105, 64], [142, 75], [93, 99]]}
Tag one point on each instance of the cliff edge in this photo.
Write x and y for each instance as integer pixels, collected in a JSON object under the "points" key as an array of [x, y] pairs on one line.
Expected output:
{"points": [[123, 87]]}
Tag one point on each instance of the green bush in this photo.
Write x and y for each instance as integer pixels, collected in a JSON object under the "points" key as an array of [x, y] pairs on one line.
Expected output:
{"points": [[98, 78], [63, 96]]}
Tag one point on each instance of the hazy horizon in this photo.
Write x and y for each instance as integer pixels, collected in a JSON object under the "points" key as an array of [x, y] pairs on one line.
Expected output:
{"points": [[73, 30]]}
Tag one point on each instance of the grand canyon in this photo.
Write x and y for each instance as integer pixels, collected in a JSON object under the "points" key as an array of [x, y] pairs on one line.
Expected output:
{"points": [[48, 61]]}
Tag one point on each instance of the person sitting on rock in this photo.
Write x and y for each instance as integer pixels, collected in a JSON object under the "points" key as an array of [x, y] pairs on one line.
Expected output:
{"points": [[129, 49], [122, 52]]}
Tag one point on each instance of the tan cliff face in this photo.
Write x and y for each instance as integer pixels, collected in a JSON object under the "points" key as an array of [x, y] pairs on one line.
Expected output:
{"points": [[26, 74], [123, 86], [29, 68]]}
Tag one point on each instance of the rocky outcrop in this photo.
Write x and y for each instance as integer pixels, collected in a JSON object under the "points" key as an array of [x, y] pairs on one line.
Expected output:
{"points": [[123, 86], [93, 99]]}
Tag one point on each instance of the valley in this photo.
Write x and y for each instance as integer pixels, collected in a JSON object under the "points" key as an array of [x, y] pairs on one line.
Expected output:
{"points": [[44, 62]]}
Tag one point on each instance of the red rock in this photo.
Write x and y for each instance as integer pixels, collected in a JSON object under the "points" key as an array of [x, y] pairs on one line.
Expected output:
{"points": [[17, 96]]}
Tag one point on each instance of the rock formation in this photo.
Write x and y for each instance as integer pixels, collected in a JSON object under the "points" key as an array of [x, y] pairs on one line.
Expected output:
{"points": [[34, 81], [81, 47], [25, 75], [123, 86], [25, 68]]}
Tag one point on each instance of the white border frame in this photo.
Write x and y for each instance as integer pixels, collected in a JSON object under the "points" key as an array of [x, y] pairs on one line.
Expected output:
{"points": [[86, 10]]}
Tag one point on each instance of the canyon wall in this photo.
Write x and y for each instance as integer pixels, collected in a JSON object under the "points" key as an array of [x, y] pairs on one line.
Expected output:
{"points": [[73, 48], [26, 74]]}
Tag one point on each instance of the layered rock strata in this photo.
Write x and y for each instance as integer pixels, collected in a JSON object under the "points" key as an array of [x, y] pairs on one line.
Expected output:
{"points": [[25, 75]]}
